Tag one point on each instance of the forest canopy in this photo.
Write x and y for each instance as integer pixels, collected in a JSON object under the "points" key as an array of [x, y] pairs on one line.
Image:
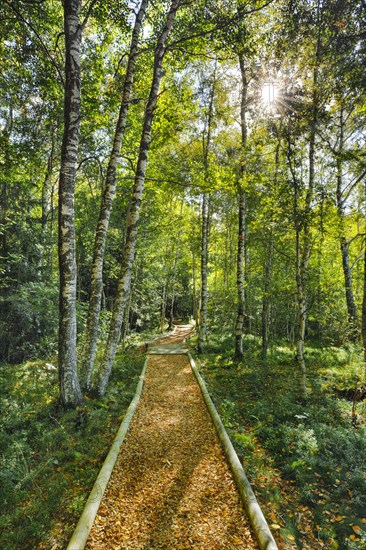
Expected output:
{"points": [[184, 161], [200, 160]]}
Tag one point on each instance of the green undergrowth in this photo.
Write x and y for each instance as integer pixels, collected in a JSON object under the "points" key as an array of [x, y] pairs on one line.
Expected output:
{"points": [[305, 459], [50, 457]]}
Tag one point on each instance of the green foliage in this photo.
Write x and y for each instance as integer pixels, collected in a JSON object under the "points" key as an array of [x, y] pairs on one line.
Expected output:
{"points": [[50, 458], [308, 441], [313, 444], [28, 326]]}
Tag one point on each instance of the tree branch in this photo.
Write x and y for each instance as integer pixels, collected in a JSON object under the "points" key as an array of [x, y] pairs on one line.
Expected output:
{"points": [[88, 13], [44, 47]]}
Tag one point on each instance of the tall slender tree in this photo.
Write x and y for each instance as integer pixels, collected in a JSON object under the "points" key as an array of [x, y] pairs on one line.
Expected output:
{"points": [[124, 281], [267, 269], [205, 223], [68, 379], [96, 287], [344, 244], [239, 325]]}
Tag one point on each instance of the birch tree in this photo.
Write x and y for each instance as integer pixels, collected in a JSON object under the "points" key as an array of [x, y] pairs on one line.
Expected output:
{"points": [[239, 325], [303, 234], [68, 379], [344, 244], [96, 287], [124, 281], [202, 330], [205, 223], [267, 268]]}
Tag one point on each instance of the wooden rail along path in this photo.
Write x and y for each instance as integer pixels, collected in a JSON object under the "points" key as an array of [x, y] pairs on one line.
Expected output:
{"points": [[171, 486]]}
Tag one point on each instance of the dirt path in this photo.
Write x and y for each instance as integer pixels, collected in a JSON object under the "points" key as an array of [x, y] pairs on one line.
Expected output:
{"points": [[171, 487]]}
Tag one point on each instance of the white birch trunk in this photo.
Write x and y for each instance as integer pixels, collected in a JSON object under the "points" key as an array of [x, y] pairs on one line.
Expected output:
{"points": [[267, 271], [204, 263], [205, 231], [134, 213], [266, 296], [348, 284], [303, 252], [71, 395], [96, 287], [239, 325], [363, 325]]}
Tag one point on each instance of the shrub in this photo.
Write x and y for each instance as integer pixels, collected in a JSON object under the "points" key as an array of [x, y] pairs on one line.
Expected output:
{"points": [[29, 322]]}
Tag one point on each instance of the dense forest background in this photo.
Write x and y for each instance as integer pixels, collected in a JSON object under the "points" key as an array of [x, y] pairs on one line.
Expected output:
{"points": [[297, 166], [183, 160]]}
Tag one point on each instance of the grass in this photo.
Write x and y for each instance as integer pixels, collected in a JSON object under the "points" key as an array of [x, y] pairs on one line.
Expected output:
{"points": [[305, 459], [50, 457]]}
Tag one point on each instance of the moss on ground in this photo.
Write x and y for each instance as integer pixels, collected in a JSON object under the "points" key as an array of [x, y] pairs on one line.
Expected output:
{"points": [[305, 459], [51, 457]]}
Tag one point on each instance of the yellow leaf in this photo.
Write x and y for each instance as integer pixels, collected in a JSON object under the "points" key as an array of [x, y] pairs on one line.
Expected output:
{"points": [[290, 537], [356, 529], [338, 518], [275, 526]]}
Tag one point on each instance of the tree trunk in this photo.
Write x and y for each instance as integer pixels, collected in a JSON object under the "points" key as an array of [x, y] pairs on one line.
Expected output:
{"points": [[364, 318], [240, 277], [171, 314], [301, 313], [204, 262], [239, 326], [71, 395], [163, 305], [194, 291], [268, 269], [205, 231], [126, 322], [47, 184], [303, 245], [266, 296], [5, 144], [134, 213], [96, 287], [350, 301]]}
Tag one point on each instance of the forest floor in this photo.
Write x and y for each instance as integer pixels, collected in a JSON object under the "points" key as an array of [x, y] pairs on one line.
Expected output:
{"points": [[306, 461], [171, 487]]}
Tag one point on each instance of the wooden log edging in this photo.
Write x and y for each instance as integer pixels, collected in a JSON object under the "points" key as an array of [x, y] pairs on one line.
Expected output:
{"points": [[255, 514], [85, 523]]}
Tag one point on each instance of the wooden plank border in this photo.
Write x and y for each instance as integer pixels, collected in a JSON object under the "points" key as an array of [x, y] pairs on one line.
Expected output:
{"points": [[85, 523], [255, 514]]}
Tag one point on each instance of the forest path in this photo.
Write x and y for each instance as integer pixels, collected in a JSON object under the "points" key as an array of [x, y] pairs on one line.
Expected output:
{"points": [[171, 487]]}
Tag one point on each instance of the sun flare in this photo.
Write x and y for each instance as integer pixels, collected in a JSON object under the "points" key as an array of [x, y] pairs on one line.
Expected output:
{"points": [[269, 93]]}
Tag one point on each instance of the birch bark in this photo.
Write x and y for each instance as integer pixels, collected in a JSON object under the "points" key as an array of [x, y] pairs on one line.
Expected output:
{"points": [[202, 332], [134, 213], [268, 270], [363, 325], [47, 184], [266, 296], [71, 395], [350, 301], [303, 244], [239, 325], [204, 263], [96, 287]]}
